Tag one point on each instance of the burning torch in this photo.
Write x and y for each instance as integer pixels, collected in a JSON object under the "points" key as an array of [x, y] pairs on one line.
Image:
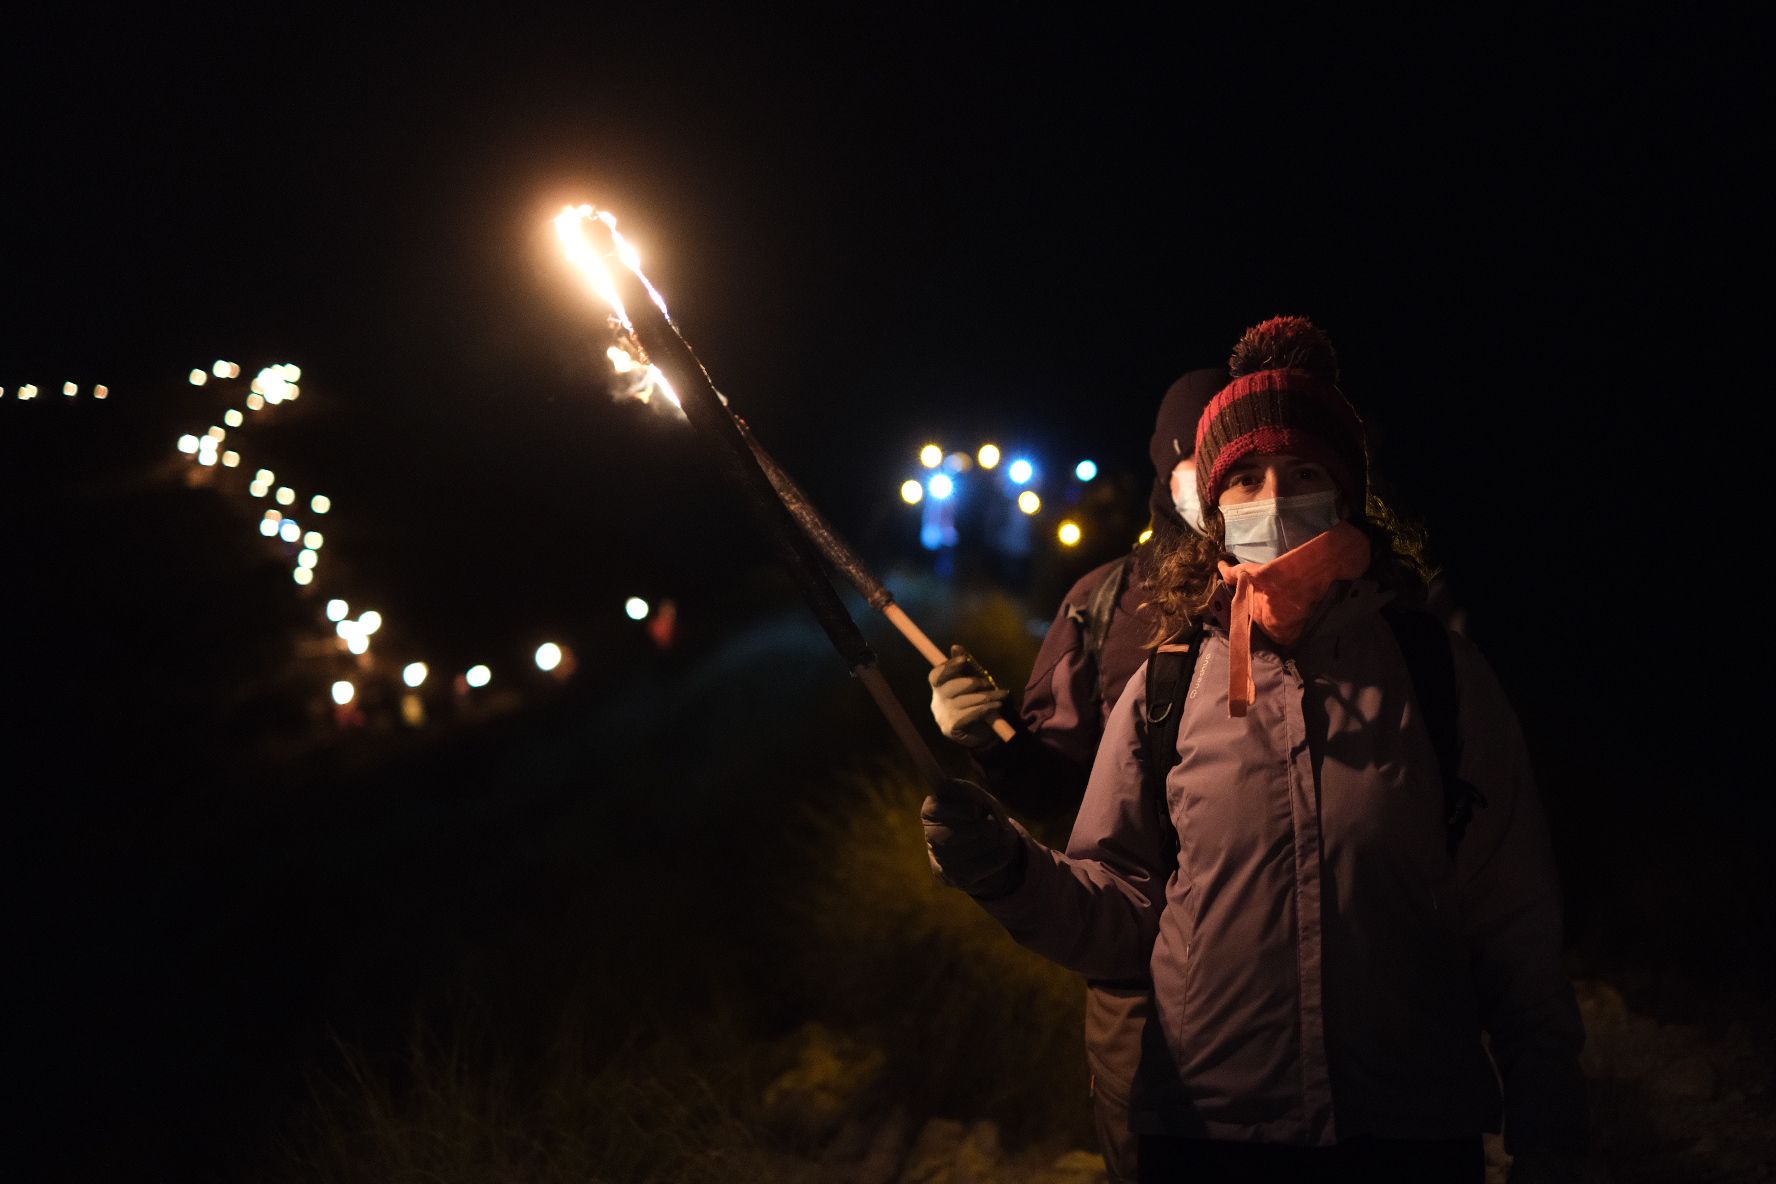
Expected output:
{"points": [[590, 237]]}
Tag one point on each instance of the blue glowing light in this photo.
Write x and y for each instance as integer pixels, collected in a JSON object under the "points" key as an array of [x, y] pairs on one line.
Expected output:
{"points": [[1020, 471], [940, 486], [1086, 470]]}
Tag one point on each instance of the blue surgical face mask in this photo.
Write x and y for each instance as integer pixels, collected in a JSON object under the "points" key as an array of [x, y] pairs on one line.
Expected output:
{"points": [[1184, 500], [1258, 532]]}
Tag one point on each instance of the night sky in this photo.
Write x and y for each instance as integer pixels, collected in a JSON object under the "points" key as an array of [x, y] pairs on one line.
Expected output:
{"points": [[1525, 234]]}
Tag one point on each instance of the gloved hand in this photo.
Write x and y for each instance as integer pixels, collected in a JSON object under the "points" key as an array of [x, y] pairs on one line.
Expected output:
{"points": [[972, 844], [964, 700]]}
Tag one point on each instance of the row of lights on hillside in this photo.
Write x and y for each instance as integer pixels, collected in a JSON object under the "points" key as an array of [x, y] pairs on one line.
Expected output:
{"points": [[25, 392], [1020, 472]]}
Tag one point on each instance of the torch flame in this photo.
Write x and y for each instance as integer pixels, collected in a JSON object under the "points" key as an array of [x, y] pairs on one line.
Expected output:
{"points": [[570, 226]]}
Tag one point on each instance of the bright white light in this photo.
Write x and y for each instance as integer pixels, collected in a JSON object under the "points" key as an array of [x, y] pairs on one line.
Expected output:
{"points": [[312, 540], [320, 503], [28, 391], [931, 456], [258, 490], [231, 459], [1069, 533], [344, 692], [289, 531], [233, 418], [224, 369], [292, 371], [70, 389], [940, 486], [636, 607], [303, 576], [1085, 470], [414, 674], [207, 456], [1028, 502], [370, 621], [101, 392], [337, 610], [286, 496], [477, 676], [306, 559], [264, 477], [988, 456], [1020, 471], [187, 442], [274, 383], [357, 643], [548, 656], [268, 527], [199, 377], [911, 492]]}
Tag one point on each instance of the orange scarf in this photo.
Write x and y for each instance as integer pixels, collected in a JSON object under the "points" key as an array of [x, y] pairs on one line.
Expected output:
{"points": [[1280, 596]]}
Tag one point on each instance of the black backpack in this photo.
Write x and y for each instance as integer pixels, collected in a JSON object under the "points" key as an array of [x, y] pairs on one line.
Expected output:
{"points": [[1429, 661]]}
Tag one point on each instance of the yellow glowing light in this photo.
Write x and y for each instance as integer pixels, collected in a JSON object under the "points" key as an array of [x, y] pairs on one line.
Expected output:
{"points": [[338, 610], [312, 540], [320, 503], [911, 492], [233, 418], [199, 377], [28, 391], [548, 656], [636, 607], [1145, 535], [289, 531], [70, 389], [187, 443], [988, 456], [370, 621], [286, 496], [303, 576], [101, 392], [344, 692], [255, 402], [1028, 502], [414, 674], [931, 456], [306, 559], [231, 459], [620, 360], [477, 676], [1069, 533]]}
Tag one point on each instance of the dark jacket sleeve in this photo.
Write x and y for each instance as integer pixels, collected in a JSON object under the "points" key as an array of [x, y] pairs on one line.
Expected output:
{"points": [[1511, 916]]}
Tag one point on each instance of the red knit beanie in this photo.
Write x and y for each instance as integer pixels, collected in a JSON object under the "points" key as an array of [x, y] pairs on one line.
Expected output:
{"points": [[1284, 398]]}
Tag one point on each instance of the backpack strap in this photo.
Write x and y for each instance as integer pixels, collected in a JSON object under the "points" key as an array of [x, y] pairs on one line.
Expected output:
{"points": [[1169, 671], [1424, 643], [1099, 608]]}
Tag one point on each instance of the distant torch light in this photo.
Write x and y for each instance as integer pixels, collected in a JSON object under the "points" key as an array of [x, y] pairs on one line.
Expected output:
{"points": [[1020, 471], [931, 456], [188, 444], [320, 503], [273, 516], [221, 369], [286, 496], [1028, 502], [264, 477], [206, 456], [307, 559], [548, 656], [199, 377], [303, 576], [940, 486], [291, 370], [988, 456], [370, 621], [101, 392], [268, 527], [911, 492], [958, 462], [1069, 533], [636, 607], [313, 540], [344, 692], [231, 460], [70, 389], [255, 402], [1145, 535], [338, 610], [357, 643], [258, 490], [477, 676], [289, 531], [1085, 470], [28, 391], [233, 418], [414, 674]]}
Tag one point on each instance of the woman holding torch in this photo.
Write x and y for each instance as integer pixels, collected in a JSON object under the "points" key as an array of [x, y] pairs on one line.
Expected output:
{"points": [[1325, 956]]}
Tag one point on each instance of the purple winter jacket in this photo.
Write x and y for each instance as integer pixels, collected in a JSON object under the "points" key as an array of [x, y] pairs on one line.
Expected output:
{"points": [[1322, 968]]}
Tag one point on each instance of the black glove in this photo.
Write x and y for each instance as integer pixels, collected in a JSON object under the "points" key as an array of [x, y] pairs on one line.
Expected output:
{"points": [[973, 845]]}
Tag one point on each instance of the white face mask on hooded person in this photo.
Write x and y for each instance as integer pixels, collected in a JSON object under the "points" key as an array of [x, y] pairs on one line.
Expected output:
{"points": [[1258, 532]]}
